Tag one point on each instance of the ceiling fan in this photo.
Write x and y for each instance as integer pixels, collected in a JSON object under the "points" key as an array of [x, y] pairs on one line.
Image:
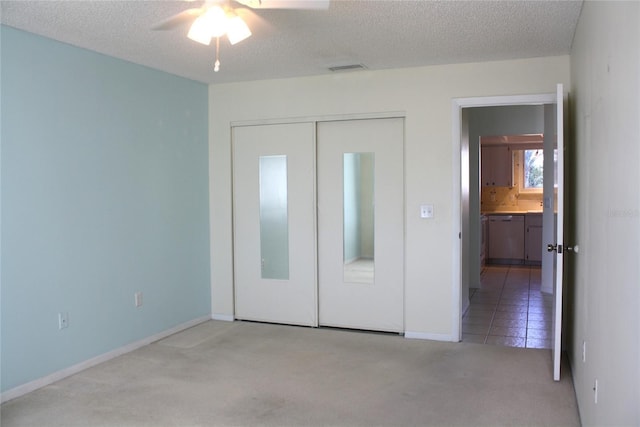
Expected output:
{"points": [[215, 18]]}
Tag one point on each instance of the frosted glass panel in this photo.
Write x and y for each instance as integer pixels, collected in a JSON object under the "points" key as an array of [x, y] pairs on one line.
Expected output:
{"points": [[274, 224], [358, 217]]}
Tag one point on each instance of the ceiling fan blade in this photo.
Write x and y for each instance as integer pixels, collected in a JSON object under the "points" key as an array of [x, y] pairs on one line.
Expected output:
{"points": [[253, 20], [179, 19], [286, 4]]}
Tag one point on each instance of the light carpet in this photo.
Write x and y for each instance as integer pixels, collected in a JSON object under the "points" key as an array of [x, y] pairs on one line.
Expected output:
{"points": [[252, 374]]}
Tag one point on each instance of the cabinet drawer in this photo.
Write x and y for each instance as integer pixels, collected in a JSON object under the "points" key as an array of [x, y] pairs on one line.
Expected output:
{"points": [[533, 220]]}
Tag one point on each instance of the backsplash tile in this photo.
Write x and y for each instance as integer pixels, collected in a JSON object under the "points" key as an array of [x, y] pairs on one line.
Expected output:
{"points": [[493, 199]]}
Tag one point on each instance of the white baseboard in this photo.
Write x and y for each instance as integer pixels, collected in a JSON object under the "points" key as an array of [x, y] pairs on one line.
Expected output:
{"points": [[224, 317], [71, 370], [428, 336]]}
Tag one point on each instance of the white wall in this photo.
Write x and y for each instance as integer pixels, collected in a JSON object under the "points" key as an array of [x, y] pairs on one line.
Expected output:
{"points": [[605, 86], [425, 95]]}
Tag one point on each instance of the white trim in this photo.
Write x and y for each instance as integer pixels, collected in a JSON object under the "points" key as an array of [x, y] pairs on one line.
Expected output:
{"points": [[456, 122], [321, 118], [428, 336], [72, 370], [223, 317], [456, 269], [506, 100]]}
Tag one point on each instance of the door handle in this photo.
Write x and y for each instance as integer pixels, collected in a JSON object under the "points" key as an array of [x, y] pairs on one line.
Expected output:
{"points": [[556, 248]]}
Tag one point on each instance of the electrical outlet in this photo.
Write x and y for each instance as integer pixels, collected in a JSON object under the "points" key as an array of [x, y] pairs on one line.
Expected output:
{"points": [[584, 351], [595, 391], [63, 320], [137, 298]]}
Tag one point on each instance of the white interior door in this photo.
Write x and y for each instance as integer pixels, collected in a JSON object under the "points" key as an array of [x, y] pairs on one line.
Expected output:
{"points": [[274, 223], [553, 213], [361, 224]]}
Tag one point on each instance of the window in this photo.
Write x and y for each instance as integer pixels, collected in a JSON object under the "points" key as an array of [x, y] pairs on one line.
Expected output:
{"points": [[531, 170], [533, 163]]}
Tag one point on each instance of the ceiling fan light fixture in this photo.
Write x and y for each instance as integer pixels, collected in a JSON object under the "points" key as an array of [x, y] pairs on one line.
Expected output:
{"points": [[199, 31], [212, 24], [237, 30]]}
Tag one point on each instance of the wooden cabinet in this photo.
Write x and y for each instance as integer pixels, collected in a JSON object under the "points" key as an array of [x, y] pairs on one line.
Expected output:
{"points": [[496, 166], [533, 238]]}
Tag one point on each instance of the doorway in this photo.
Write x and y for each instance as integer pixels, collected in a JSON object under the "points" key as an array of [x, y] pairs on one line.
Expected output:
{"points": [[553, 212], [466, 189], [504, 203]]}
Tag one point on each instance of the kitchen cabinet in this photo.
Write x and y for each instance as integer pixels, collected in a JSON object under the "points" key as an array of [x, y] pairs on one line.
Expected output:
{"points": [[496, 166], [533, 238], [506, 239]]}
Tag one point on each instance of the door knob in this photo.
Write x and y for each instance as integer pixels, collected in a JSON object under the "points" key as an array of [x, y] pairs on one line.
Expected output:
{"points": [[556, 248]]}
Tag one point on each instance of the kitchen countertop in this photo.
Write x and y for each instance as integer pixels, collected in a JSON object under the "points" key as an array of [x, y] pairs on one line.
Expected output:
{"points": [[511, 213]]}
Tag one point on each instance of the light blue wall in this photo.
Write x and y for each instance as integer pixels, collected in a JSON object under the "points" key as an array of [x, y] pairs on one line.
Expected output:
{"points": [[104, 193]]}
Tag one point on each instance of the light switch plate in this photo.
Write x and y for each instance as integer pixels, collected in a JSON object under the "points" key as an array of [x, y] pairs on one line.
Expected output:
{"points": [[426, 211]]}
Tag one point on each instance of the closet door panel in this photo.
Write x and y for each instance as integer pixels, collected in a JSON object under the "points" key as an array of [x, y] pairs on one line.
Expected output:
{"points": [[274, 223], [361, 224]]}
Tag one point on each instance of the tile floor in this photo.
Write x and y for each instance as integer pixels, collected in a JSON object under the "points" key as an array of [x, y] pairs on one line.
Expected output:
{"points": [[509, 309]]}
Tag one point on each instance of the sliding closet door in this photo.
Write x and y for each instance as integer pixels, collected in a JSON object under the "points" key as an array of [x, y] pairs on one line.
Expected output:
{"points": [[274, 223], [360, 224]]}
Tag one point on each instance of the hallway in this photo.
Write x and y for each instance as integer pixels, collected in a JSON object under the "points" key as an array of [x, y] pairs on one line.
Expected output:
{"points": [[509, 309]]}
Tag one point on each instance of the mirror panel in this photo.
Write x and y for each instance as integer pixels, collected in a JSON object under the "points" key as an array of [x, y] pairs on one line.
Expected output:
{"points": [[274, 223], [358, 217]]}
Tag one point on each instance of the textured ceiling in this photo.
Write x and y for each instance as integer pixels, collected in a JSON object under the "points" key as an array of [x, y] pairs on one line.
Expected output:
{"points": [[379, 34]]}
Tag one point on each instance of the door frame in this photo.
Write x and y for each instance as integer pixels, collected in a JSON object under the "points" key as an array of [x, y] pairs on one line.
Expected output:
{"points": [[459, 148]]}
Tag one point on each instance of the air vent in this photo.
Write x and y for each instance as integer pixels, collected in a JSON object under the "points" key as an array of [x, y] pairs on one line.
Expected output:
{"points": [[350, 67]]}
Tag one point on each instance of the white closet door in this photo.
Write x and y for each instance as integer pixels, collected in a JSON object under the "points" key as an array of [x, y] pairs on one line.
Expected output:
{"points": [[274, 223], [361, 255]]}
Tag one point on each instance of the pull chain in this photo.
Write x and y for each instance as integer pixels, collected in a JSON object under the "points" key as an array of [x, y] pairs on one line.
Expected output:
{"points": [[216, 66]]}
